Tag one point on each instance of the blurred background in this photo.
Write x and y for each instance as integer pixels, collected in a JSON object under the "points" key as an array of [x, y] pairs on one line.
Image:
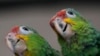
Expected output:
{"points": [[37, 14]]}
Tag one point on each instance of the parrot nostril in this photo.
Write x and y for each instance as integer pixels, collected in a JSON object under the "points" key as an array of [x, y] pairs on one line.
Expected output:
{"points": [[58, 19], [9, 35]]}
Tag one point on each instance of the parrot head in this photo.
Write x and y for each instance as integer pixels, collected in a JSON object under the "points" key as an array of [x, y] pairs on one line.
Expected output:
{"points": [[66, 22], [17, 37]]}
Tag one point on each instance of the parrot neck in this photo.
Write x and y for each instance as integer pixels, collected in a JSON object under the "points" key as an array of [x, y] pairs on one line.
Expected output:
{"points": [[63, 45], [35, 45], [33, 48]]}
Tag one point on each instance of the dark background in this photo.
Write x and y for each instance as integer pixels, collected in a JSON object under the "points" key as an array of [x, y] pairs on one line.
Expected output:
{"points": [[37, 14]]}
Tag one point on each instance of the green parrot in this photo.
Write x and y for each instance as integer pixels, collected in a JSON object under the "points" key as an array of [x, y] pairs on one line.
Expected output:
{"points": [[25, 41], [76, 36]]}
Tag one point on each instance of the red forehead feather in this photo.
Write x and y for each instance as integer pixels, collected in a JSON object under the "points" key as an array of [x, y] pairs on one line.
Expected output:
{"points": [[61, 13], [15, 29]]}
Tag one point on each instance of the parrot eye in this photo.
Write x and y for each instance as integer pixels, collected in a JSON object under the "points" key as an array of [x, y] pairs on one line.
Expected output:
{"points": [[25, 30], [70, 14]]}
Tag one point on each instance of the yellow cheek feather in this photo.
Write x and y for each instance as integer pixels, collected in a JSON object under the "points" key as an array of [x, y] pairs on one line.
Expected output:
{"points": [[69, 21], [25, 38]]}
